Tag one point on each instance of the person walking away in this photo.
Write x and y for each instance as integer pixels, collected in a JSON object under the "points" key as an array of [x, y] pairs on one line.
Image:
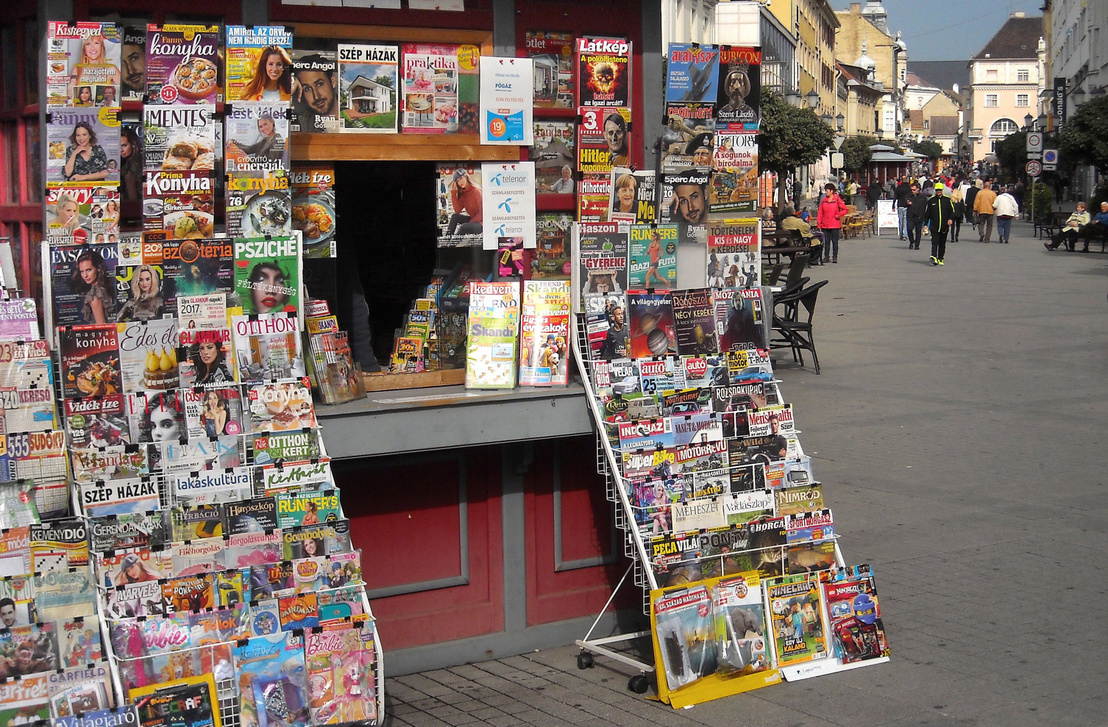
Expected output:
{"points": [[940, 217], [959, 213], [917, 204], [903, 191], [1071, 230], [983, 206], [829, 220], [971, 196], [873, 193], [1006, 210]]}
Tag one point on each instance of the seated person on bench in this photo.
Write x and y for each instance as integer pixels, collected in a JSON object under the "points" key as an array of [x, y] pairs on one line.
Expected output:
{"points": [[1098, 227], [793, 221], [1071, 230]]}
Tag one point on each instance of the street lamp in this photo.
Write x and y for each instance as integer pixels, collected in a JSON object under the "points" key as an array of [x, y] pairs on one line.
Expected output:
{"points": [[1027, 122], [1041, 121], [1078, 96], [826, 118], [813, 99], [1098, 92], [839, 119], [792, 98]]}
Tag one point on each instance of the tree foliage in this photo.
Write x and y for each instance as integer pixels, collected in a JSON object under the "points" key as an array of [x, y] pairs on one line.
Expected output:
{"points": [[856, 152], [1011, 154], [928, 148], [789, 137], [1084, 139]]}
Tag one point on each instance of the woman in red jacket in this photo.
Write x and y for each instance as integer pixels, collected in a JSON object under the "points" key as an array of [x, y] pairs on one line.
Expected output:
{"points": [[829, 221]]}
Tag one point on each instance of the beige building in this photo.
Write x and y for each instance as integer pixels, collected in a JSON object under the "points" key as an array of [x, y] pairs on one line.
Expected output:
{"points": [[1006, 78], [864, 34], [859, 99], [815, 25]]}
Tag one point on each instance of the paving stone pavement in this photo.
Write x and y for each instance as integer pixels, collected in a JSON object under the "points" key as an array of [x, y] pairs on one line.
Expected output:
{"points": [[958, 427]]}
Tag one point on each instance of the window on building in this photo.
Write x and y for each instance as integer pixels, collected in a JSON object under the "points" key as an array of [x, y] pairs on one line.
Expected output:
{"points": [[991, 100], [1023, 75], [1003, 127], [991, 75], [1022, 99]]}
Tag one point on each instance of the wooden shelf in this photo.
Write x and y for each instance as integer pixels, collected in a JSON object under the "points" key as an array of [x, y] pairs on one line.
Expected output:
{"points": [[397, 147]]}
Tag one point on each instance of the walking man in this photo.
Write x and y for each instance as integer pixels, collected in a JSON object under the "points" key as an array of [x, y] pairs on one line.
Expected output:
{"points": [[1006, 210], [940, 216], [917, 213], [903, 190], [983, 206]]}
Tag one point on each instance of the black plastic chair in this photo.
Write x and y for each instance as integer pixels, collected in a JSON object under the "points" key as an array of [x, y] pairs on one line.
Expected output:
{"points": [[771, 276], [798, 333], [796, 269]]}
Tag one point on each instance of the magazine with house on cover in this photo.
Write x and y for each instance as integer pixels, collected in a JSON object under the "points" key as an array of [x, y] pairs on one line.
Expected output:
{"points": [[653, 257], [83, 146], [796, 618], [257, 63], [267, 347], [430, 77], [552, 53], [493, 332], [544, 342], [256, 137], [315, 108], [368, 86], [183, 64], [82, 64]]}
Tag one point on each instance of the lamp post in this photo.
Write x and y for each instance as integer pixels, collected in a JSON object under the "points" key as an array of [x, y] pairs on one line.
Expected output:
{"points": [[792, 97], [839, 120], [813, 98], [1027, 121]]}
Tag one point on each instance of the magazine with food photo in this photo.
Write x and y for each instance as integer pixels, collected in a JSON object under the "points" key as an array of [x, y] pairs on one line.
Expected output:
{"points": [[180, 204], [205, 359], [603, 71], [258, 204], [70, 218], [554, 158], [83, 64], [148, 356], [90, 360], [256, 136], [179, 138], [82, 145], [315, 105], [258, 63], [430, 75], [267, 347], [82, 284], [96, 422], [368, 84], [313, 208], [282, 406], [183, 64]]}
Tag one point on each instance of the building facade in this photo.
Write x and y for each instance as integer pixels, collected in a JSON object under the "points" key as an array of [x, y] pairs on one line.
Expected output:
{"points": [[1006, 79], [864, 33]]}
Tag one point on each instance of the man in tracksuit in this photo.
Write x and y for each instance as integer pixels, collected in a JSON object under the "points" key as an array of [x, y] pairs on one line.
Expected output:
{"points": [[940, 216]]}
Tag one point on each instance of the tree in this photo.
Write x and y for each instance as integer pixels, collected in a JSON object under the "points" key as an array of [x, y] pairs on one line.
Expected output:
{"points": [[789, 137], [856, 153], [1011, 154], [928, 148], [1084, 139]]}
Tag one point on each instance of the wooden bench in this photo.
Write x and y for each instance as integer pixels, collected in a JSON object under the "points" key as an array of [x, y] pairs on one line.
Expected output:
{"points": [[1092, 234]]}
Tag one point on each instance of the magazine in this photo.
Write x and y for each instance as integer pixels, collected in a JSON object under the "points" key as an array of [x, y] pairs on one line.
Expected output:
{"points": [[551, 257], [116, 532], [198, 454], [603, 71], [83, 146], [792, 500], [258, 204], [193, 267], [118, 497], [26, 369], [179, 204], [735, 173], [299, 610], [734, 254], [431, 75], [134, 565], [19, 320], [738, 101], [183, 64], [341, 671], [313, 208], [796, 616], [197, 522], [148, 355], [593, 193], [739, 321], [368, 83], [307, 541], [651, 323], [64, 594], [492, 333], [683, 200], [69, 213], [544, 341], [205, 359], [82, 64], [603, 140], [254, 54], [82, 284], [205, 312], [740, 625], [286, 477], [253, 548], [286, 447], [256, 136], [653, 257], [89, 360], [683, 629], [250, 516], [212, 486], [187, 702], [198, 556], [552, 54], [776, 421], [180, 138], [134, 63], [308, 508], [694, 322], [854, 613], [267, 274], [603, 252], [188, 592], [271, 684], [141, 292], [692, 73], [459, 206], [267, 347], [554, 158], [58, 545], [280, 407], [315, 108], [119, 462]]}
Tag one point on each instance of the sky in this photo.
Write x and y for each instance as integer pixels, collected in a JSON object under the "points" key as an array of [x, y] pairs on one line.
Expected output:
{"points": [[947, 30]]}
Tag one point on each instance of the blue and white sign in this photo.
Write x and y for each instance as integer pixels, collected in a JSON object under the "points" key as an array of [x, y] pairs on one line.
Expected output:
{"points": [[508, 202], [507, 101]]}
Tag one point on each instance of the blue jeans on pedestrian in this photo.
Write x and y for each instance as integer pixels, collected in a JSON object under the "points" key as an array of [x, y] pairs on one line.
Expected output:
{"points": [[830, 243], [902, 216], [1004, 228]]}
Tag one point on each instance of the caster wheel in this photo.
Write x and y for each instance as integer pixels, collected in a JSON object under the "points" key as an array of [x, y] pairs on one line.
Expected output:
{"points": [[638, 684], [584, 660]]}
